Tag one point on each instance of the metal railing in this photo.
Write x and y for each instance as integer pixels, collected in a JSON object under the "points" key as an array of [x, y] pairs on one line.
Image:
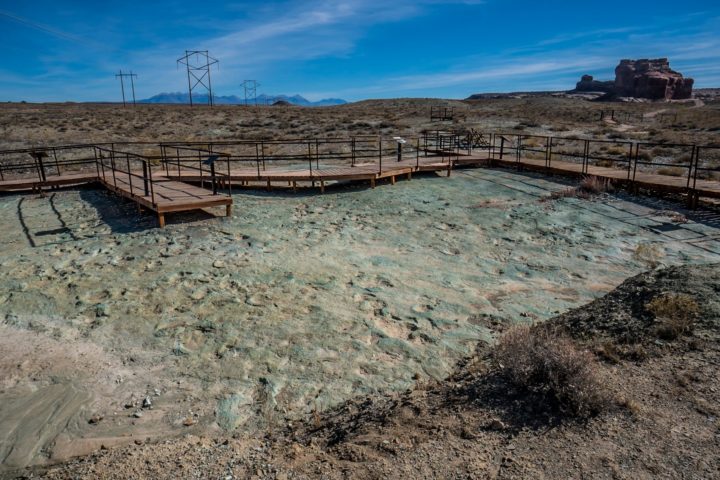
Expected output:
{"points": [[707, 164], [119, 168], [199, 159]]}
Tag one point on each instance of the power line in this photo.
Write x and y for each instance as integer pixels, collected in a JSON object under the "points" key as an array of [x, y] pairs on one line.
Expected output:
{"points": [[198, 63], [122, 76], [250, 87]]}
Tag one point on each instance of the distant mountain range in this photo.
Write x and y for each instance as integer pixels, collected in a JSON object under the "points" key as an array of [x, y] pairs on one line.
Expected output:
{"points": [[179, 97]]}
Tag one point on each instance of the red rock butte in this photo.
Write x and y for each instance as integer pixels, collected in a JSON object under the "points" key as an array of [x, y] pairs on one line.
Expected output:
{"points": [[645, 78], [652, 79]]}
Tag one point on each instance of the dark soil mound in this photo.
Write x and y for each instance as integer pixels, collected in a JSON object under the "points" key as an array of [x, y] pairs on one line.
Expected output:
{"points": [[623, 314]]}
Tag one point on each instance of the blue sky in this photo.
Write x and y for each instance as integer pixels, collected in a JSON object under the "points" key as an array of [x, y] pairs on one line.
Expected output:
{"points": [[352, 49]]}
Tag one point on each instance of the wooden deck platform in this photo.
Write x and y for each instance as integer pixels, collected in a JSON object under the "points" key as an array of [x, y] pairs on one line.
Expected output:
{"points": [[324, 173], [166, 195], [19, 185]]}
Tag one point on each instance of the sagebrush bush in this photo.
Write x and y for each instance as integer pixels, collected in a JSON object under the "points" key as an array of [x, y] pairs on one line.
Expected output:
{"points": [[546, 363], [675, 314], [595, 185]]}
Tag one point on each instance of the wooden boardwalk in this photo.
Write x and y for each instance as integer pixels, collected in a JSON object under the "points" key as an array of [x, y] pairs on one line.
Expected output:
{"points": [[370, 172], [34, 184], [176, 188]]}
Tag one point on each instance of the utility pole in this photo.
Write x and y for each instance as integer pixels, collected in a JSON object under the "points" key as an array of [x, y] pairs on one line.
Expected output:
{"points": [[250, 87], [122, 76], [198, 63]]}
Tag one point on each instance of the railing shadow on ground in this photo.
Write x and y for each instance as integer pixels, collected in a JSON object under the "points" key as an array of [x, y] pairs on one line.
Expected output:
{"points": [[706, 217]]}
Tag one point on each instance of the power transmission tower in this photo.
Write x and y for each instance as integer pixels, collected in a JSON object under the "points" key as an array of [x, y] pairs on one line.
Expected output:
{"points": [[198, 64], [122, 76], [250, 87]]}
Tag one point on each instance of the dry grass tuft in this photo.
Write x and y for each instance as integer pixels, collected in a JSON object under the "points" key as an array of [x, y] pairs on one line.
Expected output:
{"points": [[649, 253], [588, 187], [595, 185], [671, 171], [675, 313], [542, 362]]}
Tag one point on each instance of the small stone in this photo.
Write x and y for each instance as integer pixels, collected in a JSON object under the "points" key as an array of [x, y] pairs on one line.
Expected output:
{"points": [[138, 414], [198, 294], [95, 419], [497, 425], [219, 264], [189, 421], [102, 310], [147, 403]]}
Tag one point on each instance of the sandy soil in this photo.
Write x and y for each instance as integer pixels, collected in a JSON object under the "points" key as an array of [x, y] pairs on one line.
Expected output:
{"points": [[294, 305], [663, 423]]}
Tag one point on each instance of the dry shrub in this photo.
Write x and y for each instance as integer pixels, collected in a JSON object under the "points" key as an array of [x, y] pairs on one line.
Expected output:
{"points": [[588, 187], [675, 313], [648, 253], [671, 171], [595, 185], [566, 193], [546, 363]]}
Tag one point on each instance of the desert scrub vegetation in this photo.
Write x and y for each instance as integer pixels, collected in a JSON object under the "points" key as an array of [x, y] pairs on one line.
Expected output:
{"points": [[649, 253], [547, 363], [588, 187], [675, 314], [671, 171]]}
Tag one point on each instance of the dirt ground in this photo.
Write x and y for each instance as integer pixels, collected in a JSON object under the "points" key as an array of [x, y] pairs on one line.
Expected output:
{"points": [[664, 423], [24, 125]]}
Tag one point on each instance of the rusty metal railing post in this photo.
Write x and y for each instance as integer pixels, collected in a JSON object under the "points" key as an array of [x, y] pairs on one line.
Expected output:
{"points": [[112, 165], [417, 152], [380, 152], [309, 157], [502, 146], [690, 168], [57, 164], [129, 172], [145, 178], [637, 155], [213, 179], [697, 166], [262, 153], [629, 161], [97, 166], [257, 159], [317, 154], [200, 167], [163, 150]]}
